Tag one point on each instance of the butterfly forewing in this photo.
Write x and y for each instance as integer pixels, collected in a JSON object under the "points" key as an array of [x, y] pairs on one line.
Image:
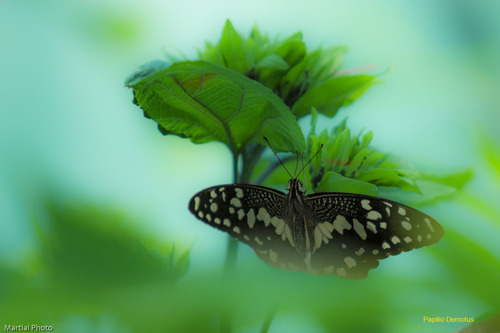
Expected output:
{"points": [[253, 215], [323, 233]]}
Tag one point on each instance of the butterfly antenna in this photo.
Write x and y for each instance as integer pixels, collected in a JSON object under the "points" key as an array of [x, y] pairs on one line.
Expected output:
{"points": [[312, 158], [296, 166], [278, 157], [305, 179]]}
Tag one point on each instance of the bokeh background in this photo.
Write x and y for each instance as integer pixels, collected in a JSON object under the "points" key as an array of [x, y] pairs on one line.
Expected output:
{"points": [[73, 147]]}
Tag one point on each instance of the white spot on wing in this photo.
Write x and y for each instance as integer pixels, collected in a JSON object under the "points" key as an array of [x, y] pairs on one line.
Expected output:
{"points": [[217, 220], [214, 207], [395, 240], [251, 218], [428, 222], [226, 222], [350, 262], [385, 245], [370, 226], [239, 192], [236, 230], [318, 237], [263, 215], [273, 256], [374, 215], [407, 239], [326, 226], [341, 272], [383, 225], [196, 203], [402, 211], [329, 270], [406, 225], [360, 251], [340, 224], [258, 241], [280, 225], [213, 194], [235, 202], [365, 203], [360, 230], [241, 214]]}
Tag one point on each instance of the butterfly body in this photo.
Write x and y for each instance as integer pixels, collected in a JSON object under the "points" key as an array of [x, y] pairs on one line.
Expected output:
{"points": [[322, 233]]}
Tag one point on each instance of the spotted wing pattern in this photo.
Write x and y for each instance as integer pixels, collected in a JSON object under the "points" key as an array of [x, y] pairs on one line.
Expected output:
{"points": [[252, 214], [348, 233], [353, 232]]}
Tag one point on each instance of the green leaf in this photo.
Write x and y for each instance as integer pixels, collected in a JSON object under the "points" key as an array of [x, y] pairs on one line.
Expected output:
{"points": [[251, 54], [231, 48], [88, 246], [292, 84], [292, 51], [456, 178], [324, 62], [352, 157], [212, 54], [333, 182], [273, 62], [182, 264], [145, 70], [381, 176], [428, 192], [205, 102], [328, 96]]}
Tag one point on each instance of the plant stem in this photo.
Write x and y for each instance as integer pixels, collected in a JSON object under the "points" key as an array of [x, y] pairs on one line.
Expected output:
{"points": [[231, 252], [232, 244]]}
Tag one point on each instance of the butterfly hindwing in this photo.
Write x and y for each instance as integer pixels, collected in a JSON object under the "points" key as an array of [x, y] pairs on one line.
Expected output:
{"points": [[253, 215]]}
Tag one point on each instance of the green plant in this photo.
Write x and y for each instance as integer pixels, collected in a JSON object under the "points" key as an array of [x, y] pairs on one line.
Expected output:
{"points": [[243, 89]]}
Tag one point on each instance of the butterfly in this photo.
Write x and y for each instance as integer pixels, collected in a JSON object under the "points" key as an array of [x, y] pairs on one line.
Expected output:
{"points": [[343, 234]]}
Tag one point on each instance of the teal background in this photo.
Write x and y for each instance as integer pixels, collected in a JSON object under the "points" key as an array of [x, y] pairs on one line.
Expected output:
{"points": [[68, 126]]}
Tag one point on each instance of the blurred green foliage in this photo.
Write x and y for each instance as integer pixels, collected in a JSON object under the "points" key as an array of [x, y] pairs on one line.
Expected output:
{"points": [[89, 259], [94, 272]]}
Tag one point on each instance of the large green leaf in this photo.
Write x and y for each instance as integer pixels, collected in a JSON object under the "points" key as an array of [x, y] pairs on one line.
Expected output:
{"points": [[145, 70], [205, 102], [328, 96]]}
